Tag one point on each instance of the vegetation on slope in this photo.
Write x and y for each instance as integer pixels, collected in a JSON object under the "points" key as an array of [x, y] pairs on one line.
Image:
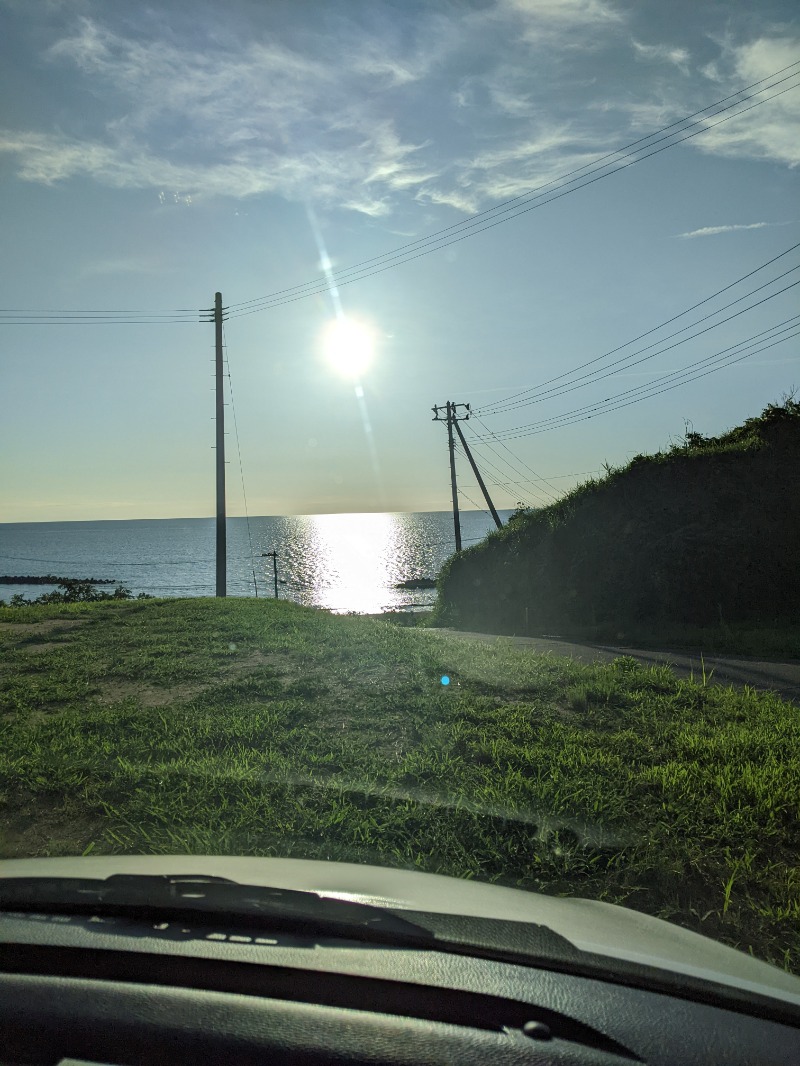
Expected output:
{"points": [[259, 727], [705, 533]]}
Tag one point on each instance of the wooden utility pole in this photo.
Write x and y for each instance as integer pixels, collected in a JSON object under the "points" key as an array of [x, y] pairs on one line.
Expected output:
{"points": [[222, 552]]}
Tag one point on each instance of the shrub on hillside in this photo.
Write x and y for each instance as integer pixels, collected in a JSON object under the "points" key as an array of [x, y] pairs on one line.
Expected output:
{"points": [[705, 532]]}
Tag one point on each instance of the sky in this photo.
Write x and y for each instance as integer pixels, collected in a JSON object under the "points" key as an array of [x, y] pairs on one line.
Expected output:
{"points": [[154, 154]]}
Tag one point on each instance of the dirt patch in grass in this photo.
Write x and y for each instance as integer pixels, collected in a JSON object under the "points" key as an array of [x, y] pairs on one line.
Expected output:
{"points": [[47, 625], [38, 826], [35, 649], [255, 660], [146, 695], [151, 695]]}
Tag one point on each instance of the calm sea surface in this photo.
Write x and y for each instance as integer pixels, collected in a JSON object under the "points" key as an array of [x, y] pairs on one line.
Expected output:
{"points": [[344, 562]]}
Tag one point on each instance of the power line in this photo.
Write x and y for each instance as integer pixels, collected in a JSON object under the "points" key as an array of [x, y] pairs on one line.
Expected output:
{"points": [[95, 321], [29, 316], [516, 459], [475, 505], [499, 483], [49, 312], [97, 314], [605, 406], [506, 485], [754, 339], [489, 477], [552, 477], [482, 221], [628, 361], [497, 477], [509, 403], [101, 562], [535, 493], [725, 353], [95, 311]]}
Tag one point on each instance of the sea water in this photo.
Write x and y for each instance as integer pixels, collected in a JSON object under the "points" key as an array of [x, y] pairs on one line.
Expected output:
{"points": [[343, 562]]}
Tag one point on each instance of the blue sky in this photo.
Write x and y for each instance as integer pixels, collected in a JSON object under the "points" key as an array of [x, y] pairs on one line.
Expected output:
{"points": [[151, 155]]}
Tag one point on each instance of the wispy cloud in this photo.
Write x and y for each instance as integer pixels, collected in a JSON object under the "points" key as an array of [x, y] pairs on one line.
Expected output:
{"points": [[260, 119], [512, 169], [542, 17], [764, 133], [517, 103], [711, 231], [462, 110], [127, 265], [768, 133], [662, 53], [464, 200]]}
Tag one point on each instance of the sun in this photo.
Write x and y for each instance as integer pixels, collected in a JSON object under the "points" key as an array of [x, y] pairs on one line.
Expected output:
{"points": [[349, 346]]}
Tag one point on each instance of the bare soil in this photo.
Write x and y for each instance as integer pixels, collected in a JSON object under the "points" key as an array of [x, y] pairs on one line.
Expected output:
{"points": [[47, 625]]}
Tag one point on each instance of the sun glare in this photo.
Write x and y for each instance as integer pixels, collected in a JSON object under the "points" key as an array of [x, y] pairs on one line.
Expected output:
{"points": [[349, 346]]}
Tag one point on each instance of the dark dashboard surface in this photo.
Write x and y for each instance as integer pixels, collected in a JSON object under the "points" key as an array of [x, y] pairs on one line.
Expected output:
{"points": [[121, 990]]}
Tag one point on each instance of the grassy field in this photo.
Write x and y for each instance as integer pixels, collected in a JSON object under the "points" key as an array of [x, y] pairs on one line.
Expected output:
{"points": [[246, 726]]}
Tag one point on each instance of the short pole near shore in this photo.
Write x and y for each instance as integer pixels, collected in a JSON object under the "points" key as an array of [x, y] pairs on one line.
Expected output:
{"points": [[274, 557]]}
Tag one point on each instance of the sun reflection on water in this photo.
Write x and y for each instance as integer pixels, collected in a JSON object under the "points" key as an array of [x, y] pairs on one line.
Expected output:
{"points": [[349, 562], [355, 551]]}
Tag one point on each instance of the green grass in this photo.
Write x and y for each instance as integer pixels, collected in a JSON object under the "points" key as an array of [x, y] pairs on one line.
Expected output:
{"points": [[260, 727]]}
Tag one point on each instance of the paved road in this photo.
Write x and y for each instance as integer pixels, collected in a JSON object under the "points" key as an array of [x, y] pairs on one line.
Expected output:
{"points": [[783, 678]]}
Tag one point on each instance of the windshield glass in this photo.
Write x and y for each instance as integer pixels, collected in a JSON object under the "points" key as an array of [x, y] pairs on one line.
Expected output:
{"points": [[399, 451]]}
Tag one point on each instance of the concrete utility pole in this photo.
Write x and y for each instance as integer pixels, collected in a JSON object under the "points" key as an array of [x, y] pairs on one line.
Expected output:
{"points": [[222, 546], [453, 485], [451, 416], [477, 473], [217, 315]]}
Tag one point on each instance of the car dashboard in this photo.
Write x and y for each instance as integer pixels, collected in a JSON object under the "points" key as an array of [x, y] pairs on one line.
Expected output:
{"points": [[129, 991]]}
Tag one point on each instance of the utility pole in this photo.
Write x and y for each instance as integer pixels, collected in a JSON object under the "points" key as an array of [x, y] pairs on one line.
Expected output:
{"points": [[451, 417], [477, 473], [453, 486], [274, 568], [217, 316], [222, 546]]}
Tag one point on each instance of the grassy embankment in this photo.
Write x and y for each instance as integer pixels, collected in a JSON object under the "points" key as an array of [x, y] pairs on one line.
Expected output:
{"points": [[246, 726], [696, 547]]}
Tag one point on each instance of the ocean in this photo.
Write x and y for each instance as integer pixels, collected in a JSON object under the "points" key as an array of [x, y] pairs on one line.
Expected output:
{"points": [[342, 562]]}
